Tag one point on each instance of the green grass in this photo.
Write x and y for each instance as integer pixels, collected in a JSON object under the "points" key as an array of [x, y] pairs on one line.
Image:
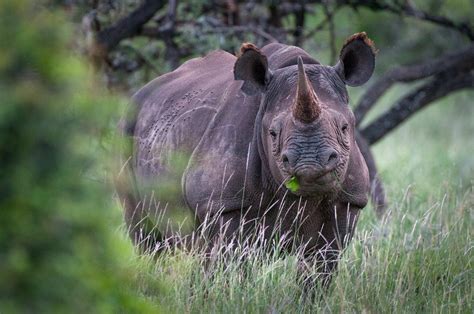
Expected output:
{"points": [[419, 259]]}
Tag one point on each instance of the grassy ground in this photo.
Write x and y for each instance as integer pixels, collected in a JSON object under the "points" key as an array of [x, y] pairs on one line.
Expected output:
{"points": [[420, 259]]}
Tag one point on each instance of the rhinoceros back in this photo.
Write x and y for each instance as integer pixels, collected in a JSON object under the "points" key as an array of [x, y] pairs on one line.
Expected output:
{"points": [[175, 109]]}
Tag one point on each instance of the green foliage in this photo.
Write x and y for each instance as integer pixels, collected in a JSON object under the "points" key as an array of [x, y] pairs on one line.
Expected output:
{"points": [[399, 39], [202, 28], [58, 248], [292, 184]]}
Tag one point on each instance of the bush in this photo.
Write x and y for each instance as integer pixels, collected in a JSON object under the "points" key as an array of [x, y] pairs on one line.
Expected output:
{"points": [[58, 251]]}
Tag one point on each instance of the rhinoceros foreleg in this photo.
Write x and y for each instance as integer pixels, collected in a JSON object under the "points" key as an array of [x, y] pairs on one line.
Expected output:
{"points": [[220, 235], [222, 231], [320, 262]]}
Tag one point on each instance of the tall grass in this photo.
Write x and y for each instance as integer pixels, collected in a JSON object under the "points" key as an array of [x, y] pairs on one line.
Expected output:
{"points": [[419, 258]]}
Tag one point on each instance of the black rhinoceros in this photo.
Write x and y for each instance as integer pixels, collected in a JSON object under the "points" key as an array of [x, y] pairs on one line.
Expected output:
{"points": [[261, 132]]}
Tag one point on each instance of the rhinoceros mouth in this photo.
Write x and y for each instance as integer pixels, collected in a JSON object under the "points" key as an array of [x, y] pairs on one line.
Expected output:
{"points": [[327, 183]]}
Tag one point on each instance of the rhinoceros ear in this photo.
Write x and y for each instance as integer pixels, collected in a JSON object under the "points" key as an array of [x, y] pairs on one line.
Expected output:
{"points": [[356, 60], [252, 67]]}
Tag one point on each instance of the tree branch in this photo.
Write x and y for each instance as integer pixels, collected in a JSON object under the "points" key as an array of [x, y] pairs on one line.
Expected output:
{"points": [[440, 86], [332, 33], [219, 28], [316, 29], [463, 28], [172, 50], [128, 26], [299, 24], [409, 10], [464, 57]]}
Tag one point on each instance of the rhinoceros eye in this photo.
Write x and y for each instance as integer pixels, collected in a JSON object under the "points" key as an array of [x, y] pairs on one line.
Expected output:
{"points": [[275, 141], [344, 128], [273, 133]]}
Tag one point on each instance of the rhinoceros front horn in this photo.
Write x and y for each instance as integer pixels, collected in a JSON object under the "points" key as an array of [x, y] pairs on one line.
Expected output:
{"points": [[306, 107]]}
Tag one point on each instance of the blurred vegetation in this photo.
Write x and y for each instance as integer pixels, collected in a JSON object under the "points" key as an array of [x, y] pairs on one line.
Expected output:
{"points": [[199, 26], [59, 245]]}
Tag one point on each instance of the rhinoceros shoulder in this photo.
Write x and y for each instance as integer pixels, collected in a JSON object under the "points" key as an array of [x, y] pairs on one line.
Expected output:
{"points": [[222, 173], [174, 110]]}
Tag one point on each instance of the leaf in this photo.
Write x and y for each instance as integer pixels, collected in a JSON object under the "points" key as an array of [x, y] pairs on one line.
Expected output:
{"points": [[292, 184]]}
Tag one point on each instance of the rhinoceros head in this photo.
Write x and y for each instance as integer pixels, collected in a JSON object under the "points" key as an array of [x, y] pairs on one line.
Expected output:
{"points": [[306, 131]]}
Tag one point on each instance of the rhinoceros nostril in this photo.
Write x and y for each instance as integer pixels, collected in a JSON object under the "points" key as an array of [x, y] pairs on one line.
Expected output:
{"points": [[284, 159], [332, 157], [289, 161]]}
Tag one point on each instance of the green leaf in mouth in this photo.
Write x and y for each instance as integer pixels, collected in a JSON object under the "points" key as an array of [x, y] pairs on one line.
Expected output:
{"points": [[292, 184]]}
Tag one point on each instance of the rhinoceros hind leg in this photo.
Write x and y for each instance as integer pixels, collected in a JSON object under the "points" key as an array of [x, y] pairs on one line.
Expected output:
{"points": [[377, 191], [142, 231]]}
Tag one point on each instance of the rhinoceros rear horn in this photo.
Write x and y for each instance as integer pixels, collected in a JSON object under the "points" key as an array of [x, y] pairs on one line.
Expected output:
{"points": [[306, 107]]}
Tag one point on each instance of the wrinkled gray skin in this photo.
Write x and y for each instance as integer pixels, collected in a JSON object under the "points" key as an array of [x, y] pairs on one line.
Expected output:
{"points": [[236, 120]]}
